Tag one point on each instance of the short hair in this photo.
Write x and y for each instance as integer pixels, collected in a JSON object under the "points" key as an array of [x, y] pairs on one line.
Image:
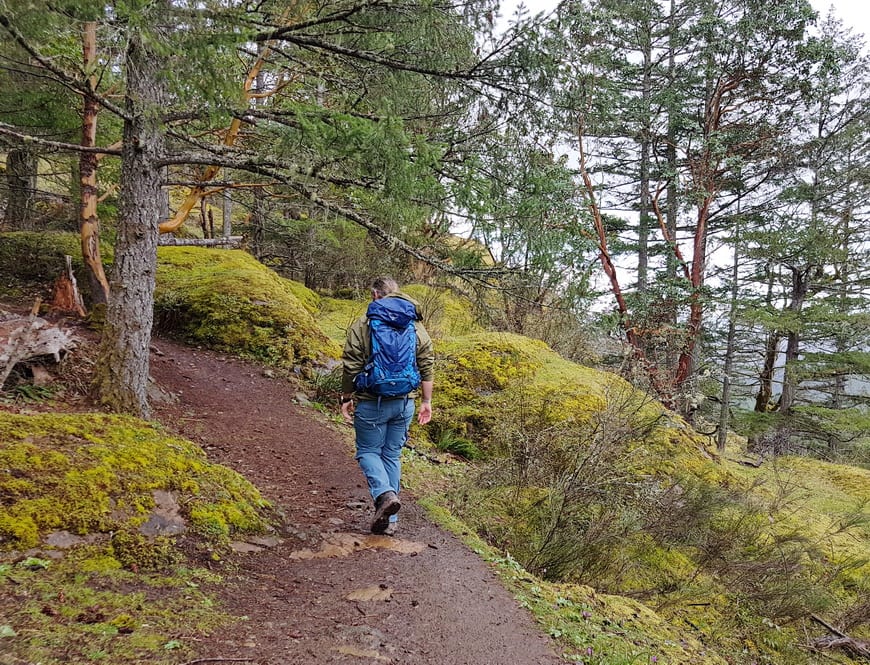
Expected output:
{"points": [[384, 286]]}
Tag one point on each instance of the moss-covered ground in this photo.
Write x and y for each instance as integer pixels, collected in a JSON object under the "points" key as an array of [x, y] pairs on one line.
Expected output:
{"points": [[116, 592], [712, 561], [619, 527], [220, 299], [228, 301]]}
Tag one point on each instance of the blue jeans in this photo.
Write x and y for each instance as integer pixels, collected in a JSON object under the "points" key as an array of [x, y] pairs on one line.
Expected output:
{"points": [[381, 431]]}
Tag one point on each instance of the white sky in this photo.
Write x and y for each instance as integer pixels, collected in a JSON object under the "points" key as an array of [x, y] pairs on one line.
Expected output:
{"points": [[854, 13]]}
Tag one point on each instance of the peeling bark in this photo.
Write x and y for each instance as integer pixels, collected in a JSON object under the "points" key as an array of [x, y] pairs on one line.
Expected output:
{"points": [[89, 223]]}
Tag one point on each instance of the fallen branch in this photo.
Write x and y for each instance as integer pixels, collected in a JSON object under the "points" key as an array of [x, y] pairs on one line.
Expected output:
{"points": [[839, 640], [824, 623], [745, 462], [232, 242], [25, 337], [850, 645]]}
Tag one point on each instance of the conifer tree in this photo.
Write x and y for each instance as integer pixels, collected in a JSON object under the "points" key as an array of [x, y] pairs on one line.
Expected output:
{"points": [[705, 115], [814, 244], [364, 122]]}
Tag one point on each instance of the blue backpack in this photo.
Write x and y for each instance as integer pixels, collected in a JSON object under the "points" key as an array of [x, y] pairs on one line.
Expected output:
{"points": [[391, 370]]}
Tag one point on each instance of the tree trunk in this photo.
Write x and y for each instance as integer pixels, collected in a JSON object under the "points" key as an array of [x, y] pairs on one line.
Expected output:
{"points": [[771, 346], [21, 173], [255, 84], [227, 212], [671, 204], [800, 286], [671, 152], [645, 149], [258, 227], [725, 407], [765, 379], [89, 223], [123, 365], [705, 170]]}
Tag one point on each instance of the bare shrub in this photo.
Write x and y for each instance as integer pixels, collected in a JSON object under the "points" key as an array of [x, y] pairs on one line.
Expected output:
{"points": [[566, 485], [583, 499], [754, 546]]}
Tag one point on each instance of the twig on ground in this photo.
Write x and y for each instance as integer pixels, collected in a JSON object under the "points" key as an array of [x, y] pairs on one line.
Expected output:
{"points": [[841, 641], [830, 628], [756, 464]]}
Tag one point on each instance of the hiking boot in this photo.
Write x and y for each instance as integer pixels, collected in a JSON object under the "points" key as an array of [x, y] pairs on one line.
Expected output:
{"points": [[385, 505], [391, 529]]}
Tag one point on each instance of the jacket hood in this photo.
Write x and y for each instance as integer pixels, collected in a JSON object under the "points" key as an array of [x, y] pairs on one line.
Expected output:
{"points": [[396, 310]]}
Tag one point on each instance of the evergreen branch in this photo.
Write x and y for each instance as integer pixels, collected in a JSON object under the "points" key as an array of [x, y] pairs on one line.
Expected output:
{"points": [[63, 77], [210, 153], [283, 174], [342, 15], [8, 130], [470, 75]]}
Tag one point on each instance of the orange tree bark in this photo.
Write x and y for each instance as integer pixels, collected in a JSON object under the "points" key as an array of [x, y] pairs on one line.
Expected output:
{"points": [[89, 223], [705, 170], [198, 192], [662, 387]]}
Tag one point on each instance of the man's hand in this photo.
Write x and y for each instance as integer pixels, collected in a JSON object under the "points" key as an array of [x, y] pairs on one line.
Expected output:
{"points": [[347, 411], [425, 414]]}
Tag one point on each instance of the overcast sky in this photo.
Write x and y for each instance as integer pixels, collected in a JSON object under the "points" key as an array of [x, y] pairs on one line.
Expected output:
{"points": [[855, 13]]}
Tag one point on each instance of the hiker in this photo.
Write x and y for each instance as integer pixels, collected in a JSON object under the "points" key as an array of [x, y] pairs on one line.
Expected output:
{"points": [[384, 384]]}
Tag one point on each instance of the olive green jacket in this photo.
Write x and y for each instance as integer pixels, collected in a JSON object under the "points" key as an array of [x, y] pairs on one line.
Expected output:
{"points": [[358, 348]]}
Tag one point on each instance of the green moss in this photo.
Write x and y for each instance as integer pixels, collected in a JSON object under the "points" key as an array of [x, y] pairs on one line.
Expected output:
{"points": [[91, 473], [828, 505], [137, 552], [488, 379], [228, 301], [76, 612], [647, 564], [124, 623], [309, 299], [445, 314], [99, 563], [335, 317], [20, 530], [474, 371], [124, 595]]}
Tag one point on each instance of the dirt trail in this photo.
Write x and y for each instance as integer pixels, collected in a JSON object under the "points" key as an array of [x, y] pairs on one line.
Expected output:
{"points": [[421, 598]]}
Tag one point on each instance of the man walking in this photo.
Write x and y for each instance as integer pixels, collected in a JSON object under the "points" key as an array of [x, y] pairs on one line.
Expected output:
{"points": [[388, 355]]}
